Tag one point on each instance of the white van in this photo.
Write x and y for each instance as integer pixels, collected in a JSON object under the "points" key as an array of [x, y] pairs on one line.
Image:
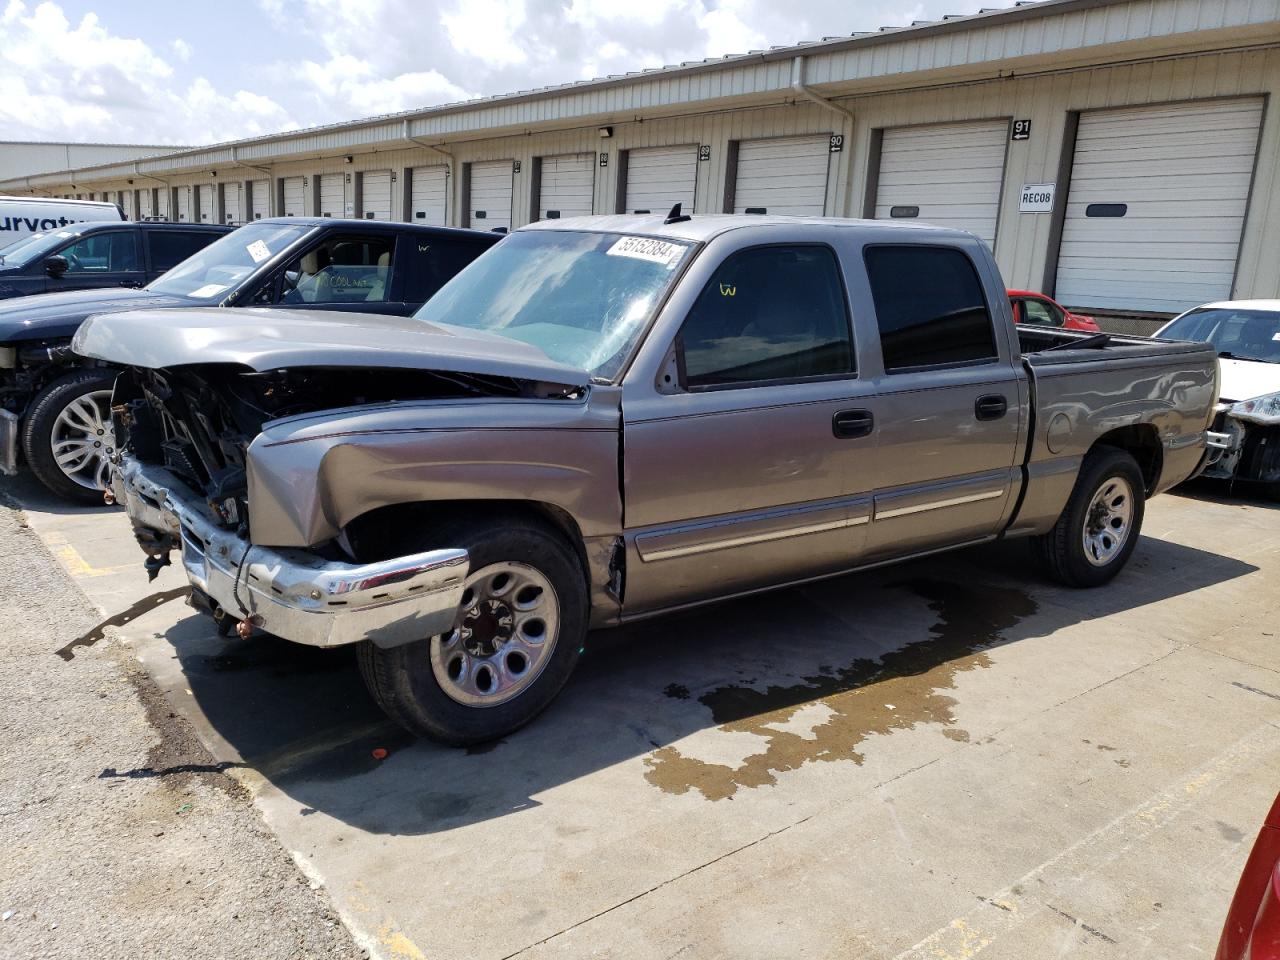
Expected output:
{"points": [[23, 216]]}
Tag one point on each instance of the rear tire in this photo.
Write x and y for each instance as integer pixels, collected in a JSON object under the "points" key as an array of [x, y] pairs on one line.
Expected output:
{"points": [[67, 437], [1100, 525], [517, 638]]}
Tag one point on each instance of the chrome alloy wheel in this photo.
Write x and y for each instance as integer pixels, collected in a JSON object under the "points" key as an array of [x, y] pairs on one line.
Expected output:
{"points": [[1108, 521], [82, 440], [506, 630]]}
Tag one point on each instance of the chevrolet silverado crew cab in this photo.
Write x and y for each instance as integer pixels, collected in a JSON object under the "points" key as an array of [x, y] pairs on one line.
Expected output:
{"points": [[610, 418], [53, 405]]}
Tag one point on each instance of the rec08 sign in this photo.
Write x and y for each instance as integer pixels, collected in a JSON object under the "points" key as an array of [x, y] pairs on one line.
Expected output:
{"points": [[1036, 198]]}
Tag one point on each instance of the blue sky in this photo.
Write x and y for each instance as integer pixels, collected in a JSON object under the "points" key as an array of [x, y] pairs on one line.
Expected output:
{"points": [[144, 72]]}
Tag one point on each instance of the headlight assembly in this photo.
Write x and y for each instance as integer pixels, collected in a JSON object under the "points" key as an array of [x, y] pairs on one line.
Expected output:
{"points": [[1264, 409]]}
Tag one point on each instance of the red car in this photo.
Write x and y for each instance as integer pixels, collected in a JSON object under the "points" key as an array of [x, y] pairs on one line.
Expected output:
{"points": [[1252, 930], [1036, 308]]}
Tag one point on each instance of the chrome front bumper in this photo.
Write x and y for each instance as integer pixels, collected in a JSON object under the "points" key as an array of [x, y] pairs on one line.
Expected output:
{"points": [[291, 593]]}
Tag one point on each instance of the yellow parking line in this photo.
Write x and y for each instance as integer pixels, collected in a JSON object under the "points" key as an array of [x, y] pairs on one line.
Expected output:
{"points": [[75, 564]]}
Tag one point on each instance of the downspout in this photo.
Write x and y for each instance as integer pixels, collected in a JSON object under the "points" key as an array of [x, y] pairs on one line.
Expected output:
{"points": [[798, 85], [450, 161], [249, 166]]}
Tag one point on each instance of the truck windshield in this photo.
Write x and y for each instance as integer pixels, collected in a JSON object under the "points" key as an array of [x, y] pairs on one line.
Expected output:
{"points": [[1235, 334], [223, 265], [581, 298], [31, 248]]}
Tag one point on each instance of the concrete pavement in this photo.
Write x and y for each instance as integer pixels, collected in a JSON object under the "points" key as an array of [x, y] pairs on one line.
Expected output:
{"points": [[945, 759]]}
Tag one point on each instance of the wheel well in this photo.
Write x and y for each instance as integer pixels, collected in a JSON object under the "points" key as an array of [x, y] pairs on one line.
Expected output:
{"points": [[1142, 443], [386, 532]]}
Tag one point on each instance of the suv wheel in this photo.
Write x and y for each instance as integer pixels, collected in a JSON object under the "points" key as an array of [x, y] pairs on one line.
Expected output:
{"points": [[67, 436], [517, 637]]}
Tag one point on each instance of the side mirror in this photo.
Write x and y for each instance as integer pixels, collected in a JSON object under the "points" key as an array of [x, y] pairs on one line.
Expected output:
{"points": [[56, 266]]}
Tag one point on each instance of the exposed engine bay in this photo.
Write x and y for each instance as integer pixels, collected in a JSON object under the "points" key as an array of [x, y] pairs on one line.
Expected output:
{"points": [[198, 421]]}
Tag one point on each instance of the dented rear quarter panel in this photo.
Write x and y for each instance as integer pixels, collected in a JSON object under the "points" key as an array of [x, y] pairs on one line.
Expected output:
{"points": [[309, 476], [1082, 395]]}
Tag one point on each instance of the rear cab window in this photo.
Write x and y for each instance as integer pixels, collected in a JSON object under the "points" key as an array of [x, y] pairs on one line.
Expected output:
{"points": [[168, 248], [930, 307]]}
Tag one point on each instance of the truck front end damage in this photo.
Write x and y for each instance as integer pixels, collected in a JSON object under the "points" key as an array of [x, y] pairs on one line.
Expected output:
{"points": [[298, 595]]}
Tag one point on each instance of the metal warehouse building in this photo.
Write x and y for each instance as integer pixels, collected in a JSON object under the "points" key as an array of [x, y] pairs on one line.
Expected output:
{"points": [[1123, 155]]}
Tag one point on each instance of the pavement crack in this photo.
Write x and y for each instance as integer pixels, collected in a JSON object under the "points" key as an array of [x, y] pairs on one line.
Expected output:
{"points": [[658, 886], [1093, 931], [1263, 693]]}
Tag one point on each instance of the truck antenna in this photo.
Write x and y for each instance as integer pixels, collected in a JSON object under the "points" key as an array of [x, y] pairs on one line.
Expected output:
{"points": [[675, 216]]}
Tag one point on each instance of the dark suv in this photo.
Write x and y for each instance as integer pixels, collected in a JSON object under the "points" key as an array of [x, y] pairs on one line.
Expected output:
{"points": [[54, 405], [87, 256]]}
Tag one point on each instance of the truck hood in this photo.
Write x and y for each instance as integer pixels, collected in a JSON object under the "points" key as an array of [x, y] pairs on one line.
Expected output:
{"points": [[264, 338], [47, 315], [1246, 379]]}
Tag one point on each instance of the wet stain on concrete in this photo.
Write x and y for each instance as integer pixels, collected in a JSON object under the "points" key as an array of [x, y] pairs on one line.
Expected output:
{"points": [[145, 605], [1229, 833], [869, 696]]}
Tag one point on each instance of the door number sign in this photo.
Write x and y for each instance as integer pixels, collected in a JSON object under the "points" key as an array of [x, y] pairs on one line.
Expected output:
{"points": [[1021, 130], [1036, 198], [837, 142]]}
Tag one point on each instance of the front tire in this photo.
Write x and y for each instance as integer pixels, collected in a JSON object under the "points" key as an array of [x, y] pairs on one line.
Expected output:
{"points": [[67, 436], [517, 637], [1100, 525]]}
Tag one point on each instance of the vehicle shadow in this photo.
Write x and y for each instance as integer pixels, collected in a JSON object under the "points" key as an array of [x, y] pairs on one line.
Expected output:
{"points": [[1213, 490], [302, 718]]}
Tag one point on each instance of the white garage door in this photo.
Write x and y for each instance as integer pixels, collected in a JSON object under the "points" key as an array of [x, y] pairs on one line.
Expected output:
{"points": [[950, 174], [429, 191], [260, 198], [184, 204], [331, 194], [231, 210], [144, 205], [294, 204], [787, 176], [491, 195], [375, 195], [1157, 204], [204, 203], [567, 186], [162, 202], [659, 177]]}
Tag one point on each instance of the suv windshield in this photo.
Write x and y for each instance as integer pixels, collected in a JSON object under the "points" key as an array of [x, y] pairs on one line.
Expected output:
{"points": [[1235, 334], [225, 263], [29, 249], [583, 299]]}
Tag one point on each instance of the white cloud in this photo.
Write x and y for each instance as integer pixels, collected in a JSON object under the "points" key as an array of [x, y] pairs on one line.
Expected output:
{"points": [[83, 82], [322, 61]]}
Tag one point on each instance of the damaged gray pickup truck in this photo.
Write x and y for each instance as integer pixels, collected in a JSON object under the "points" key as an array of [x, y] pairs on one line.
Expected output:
{"points": [[604, 419]]}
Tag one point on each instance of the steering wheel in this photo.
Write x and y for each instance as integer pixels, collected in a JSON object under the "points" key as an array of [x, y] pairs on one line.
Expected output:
{"points": [[73, 261]]}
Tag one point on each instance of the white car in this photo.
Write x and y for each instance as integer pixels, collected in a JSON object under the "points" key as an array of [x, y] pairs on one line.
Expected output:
{"points": [[1246, 334]]}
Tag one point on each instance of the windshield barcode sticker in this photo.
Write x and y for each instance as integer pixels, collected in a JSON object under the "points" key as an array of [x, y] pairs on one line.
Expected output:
{"points": [[258, 250], [646, 248]]}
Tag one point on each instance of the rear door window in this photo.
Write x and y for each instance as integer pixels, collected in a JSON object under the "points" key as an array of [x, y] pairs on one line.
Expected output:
{"points": [[930, 307], [1041, 313], [168, 248], [341, 269], [427, 263], [769, 314]]}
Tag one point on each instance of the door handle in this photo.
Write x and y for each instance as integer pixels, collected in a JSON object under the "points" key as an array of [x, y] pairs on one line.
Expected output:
{"points": [[990, 407], [851, 424]]}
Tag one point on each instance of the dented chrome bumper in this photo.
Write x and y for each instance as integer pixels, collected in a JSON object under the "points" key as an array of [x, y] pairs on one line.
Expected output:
{"points": [[291, 593]]}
